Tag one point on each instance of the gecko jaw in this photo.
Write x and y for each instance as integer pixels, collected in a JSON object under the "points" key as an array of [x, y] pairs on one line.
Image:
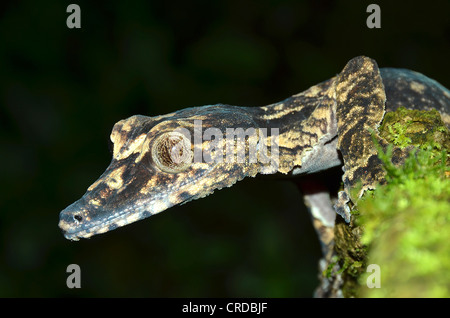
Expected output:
{"points": [[74, 230]]}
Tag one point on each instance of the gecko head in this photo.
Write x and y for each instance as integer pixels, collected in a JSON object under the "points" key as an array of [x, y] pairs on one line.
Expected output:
{"points": [[156, 164]]}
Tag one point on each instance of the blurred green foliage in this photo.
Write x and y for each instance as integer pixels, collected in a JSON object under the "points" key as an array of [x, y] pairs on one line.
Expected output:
{"points": [[61, 91]]}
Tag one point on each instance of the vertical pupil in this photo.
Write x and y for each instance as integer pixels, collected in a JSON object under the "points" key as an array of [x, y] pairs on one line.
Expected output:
{"points": [[171, 152], [176, 153]]}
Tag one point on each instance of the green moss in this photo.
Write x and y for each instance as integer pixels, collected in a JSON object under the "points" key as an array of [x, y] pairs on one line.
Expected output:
{"points": [[352, 254], [404, 226], [329, 271], [419, 128], [407, 222]]}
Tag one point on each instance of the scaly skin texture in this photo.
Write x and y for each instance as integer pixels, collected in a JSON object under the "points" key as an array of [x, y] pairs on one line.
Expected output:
{"points": [[325, 126]]}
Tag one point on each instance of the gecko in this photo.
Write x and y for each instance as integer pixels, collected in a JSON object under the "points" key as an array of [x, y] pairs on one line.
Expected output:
{"points": [[157, 163]]}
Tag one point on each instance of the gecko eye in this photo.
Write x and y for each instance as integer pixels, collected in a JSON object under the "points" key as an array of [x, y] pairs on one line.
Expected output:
{"points": [[171, 152]]}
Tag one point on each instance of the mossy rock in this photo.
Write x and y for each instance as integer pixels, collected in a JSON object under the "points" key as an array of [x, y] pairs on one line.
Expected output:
{"points": [[419, 128], [403, 226]]}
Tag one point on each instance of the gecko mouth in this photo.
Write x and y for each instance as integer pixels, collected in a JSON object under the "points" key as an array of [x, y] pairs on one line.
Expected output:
{"points": [[74, 226], [84, 218]]}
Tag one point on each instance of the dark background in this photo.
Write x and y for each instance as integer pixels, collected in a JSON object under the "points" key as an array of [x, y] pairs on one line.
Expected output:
{"points": [[62, 90]]}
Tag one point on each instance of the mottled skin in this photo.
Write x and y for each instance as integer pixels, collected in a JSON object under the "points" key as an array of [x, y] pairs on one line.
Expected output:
{"points": [[325, 126]]}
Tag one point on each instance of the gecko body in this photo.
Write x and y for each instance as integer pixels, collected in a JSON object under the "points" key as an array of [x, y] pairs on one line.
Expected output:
{"points": [[158, 163]]}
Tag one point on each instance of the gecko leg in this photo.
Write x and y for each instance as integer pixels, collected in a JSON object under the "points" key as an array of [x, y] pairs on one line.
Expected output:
{"points": [[360, 107]]}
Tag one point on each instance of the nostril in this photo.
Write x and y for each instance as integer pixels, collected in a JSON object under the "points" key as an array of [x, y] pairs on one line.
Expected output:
{"points": [[78, 218]]}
